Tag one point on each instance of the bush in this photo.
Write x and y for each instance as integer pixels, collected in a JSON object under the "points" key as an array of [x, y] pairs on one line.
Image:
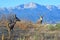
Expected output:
{"points": [[51, 27], [58, 26]]}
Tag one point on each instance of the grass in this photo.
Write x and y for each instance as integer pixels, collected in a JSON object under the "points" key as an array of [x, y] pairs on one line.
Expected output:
{"points": [[23, 31]]}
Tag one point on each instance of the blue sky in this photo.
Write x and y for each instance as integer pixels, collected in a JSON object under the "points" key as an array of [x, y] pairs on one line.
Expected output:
{"points": [[13, 3]]}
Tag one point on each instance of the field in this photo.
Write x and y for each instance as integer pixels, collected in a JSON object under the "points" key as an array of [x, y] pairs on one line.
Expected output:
{"points": [[30, 32], [27, 30]]}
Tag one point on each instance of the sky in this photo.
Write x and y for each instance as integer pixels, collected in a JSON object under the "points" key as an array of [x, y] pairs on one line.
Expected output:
{"points": [[13, 3]]}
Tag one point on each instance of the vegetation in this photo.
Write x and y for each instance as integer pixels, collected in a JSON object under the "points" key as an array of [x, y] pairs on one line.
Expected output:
{"points": [[58, 26], [24, 30], [51, 27]]}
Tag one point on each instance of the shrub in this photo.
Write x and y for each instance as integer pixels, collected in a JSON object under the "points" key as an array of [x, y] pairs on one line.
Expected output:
{"points": [[51, 27], [58, 26]]}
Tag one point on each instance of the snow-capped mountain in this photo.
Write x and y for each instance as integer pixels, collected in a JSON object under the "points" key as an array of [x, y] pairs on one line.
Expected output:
{"points": [[33, 11]]}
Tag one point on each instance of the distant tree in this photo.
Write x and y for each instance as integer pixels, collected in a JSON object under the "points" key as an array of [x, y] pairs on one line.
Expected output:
{"points": [[2, 19]]}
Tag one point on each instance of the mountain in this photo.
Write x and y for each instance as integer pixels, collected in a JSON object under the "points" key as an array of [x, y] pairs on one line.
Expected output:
{"points": [[33, 11]]}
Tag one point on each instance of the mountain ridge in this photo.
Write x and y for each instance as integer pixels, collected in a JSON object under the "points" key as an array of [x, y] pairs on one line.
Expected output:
{"points": [[33, 11]]}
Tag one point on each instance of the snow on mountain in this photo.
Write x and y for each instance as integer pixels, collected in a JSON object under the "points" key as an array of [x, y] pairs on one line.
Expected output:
{"points": [[49, 7], [2, 9], [30, 5], [50, 13], [58, 6]]}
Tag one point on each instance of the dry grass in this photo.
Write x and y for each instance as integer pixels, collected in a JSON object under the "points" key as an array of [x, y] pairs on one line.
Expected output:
{"points": [[26, 31]]}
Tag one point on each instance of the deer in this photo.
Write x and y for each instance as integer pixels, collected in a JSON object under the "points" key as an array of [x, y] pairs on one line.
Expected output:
{"points": [[11, 24], [40, 20]]}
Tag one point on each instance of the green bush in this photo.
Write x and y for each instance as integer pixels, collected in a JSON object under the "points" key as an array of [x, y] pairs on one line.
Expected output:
{"points": [[58, 26], [51, 27]]}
